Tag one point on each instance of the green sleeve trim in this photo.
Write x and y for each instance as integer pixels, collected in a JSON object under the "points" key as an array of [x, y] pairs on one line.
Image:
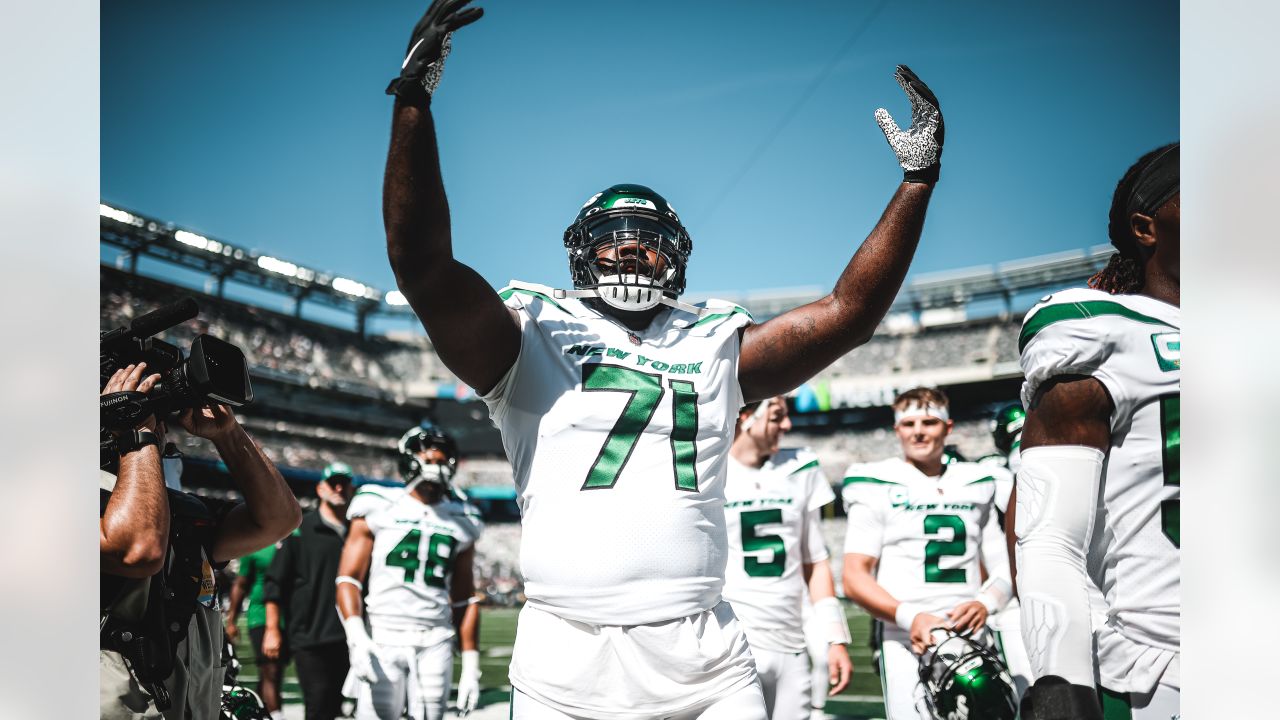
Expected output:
{"points": [[1079, 311], [870, 480], [809, 465], [735, 311], [989, 478], [506, 295]]}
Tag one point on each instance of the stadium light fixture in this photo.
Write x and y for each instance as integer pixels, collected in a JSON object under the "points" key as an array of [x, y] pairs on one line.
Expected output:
{"points": [[395, 297], [347, 286], [278, 266], [197, 241], [121, 216]]}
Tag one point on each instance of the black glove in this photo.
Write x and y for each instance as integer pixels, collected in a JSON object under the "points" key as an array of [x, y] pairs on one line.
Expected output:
{"points": [[428, 48], [919, 147], [1053, 698]]}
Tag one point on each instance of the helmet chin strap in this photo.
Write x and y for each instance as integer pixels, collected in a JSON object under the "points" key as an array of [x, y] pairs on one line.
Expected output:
{"points": [[604, 296]]}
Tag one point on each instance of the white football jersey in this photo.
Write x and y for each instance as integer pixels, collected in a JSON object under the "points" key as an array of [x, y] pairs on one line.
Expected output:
{"points": [[926, 531], [415, 549], [371, 498], [772, 518], [1132, 345], [618, 440]]}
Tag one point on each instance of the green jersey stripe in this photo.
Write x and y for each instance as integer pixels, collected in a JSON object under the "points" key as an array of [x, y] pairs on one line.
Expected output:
{"points": [[717, 316], [874, 481], [806, 466], [506, 295], [1079, 311], [988, 478]]}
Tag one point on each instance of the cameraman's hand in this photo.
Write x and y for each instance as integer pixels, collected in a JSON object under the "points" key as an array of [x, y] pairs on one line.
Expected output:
{"points": [[212, 422], [130, 379]]}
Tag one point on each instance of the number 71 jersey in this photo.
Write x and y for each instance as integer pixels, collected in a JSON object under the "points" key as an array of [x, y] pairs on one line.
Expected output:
{"points": [[619, 441]]}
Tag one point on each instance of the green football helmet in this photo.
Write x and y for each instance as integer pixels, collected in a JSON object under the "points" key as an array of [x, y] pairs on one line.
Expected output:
{"points": [[1006, 427], [622, 216], [964, 679]]}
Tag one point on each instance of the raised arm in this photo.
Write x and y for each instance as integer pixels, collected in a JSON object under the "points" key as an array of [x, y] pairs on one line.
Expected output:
{"points": [[780, 354], [474, 334]]}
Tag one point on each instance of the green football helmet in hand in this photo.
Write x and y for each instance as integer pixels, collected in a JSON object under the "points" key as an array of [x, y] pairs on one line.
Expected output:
{"points": [[428, 47], [919, 147]]}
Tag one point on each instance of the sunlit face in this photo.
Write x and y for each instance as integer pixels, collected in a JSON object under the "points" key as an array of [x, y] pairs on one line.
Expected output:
{"points": [[432, 456], [629, 257], [336, 491], [767, 430], [923, 438]]}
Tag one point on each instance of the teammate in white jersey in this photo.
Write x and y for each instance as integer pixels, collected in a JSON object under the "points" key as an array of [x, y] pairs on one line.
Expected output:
{"points": [[616, 404], [1098, 489], [415, 549], [919, 537], [773, 502], [1006, 625]]}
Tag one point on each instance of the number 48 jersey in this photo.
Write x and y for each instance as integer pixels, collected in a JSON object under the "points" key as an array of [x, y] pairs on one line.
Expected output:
{"points": [[415, 549], [1132, 345], [618, 440]]}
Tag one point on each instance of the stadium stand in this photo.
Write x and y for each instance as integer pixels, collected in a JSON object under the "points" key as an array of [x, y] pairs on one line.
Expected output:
{"points": [[326, 393]]}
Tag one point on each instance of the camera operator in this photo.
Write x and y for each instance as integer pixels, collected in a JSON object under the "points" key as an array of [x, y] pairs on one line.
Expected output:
{"points": [[161, 629]]}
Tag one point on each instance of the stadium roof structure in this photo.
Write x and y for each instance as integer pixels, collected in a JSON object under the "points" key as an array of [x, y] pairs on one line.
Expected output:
{"points": [[138, 235], [952, 288]]}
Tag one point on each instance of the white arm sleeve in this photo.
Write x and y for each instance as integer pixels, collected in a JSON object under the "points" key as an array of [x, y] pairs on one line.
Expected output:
{"points": [[1058, 489], [998, 588]]}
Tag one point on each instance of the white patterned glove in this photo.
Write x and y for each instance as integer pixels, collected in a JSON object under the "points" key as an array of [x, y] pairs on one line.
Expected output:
{"points": [[428, 47], [469, 681], [919, 147], [360, 649]]}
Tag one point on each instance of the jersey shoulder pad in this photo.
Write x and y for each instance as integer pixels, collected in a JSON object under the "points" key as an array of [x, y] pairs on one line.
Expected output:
{"points": [[370, 499], [714, 314], [879, 473], [1089, 332], [794, 460], [535, 298], [972, 473], [465, 514]]}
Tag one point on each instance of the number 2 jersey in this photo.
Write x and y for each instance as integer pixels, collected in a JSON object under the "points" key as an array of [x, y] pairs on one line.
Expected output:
{"points": [[772, 515], [618, 440], [929, 533], [415, 551], [1132, 345]]}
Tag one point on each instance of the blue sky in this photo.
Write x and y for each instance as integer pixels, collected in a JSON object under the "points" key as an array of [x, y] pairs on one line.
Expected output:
{"points": [[265, 125]]}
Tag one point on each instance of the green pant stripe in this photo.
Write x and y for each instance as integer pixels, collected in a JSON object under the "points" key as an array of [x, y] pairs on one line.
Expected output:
{"points": [[1115, 705], [884, 685]]}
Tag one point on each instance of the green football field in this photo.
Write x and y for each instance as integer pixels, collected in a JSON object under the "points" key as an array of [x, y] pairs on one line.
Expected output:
{"points": [[498, 630]]}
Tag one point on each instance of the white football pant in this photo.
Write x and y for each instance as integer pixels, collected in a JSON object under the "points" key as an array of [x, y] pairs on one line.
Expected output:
{"points": [[785, 681], [415, 678], [745, 703]]}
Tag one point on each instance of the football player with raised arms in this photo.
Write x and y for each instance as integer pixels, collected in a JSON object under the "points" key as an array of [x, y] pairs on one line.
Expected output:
{"points": [[919, 535], [1097, 504], [773, 503], [616, 403], [415, 549]]}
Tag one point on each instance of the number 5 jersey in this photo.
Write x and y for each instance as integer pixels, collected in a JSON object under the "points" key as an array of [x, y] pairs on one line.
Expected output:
{"points": [[618, 440]]}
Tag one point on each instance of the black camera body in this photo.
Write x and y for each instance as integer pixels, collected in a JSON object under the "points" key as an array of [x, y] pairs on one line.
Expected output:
{"points": [[213, 371]]}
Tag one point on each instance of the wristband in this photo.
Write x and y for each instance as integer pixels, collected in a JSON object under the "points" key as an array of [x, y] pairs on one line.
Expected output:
{"points": [[471, 662], [834, 627], [356, 634], [906, 614]]}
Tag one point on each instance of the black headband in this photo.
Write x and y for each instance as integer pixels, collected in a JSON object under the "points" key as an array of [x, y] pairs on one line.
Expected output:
{"points": [[1157, 182]]}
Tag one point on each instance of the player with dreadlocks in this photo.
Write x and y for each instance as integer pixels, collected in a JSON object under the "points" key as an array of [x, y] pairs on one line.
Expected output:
{"points": [[1097, 510]]}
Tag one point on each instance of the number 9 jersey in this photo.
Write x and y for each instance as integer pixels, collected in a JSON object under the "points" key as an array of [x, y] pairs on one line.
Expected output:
{"points": [[1132, 345], [415, 549], [619, 441]]}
